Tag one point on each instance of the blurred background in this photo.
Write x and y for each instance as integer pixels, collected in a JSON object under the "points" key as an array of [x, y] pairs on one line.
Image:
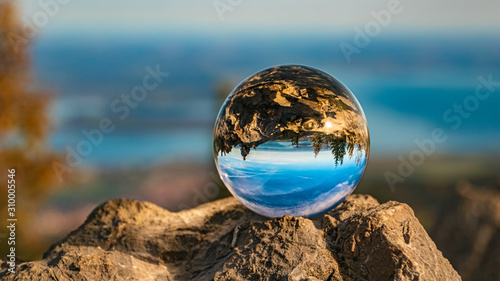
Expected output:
{"points": [[88, 112]]}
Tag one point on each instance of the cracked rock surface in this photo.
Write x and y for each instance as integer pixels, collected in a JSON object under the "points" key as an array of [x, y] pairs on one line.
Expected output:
{"points": [[222, 240]]}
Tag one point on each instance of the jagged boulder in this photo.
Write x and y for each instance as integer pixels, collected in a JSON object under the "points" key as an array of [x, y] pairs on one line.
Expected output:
{"points": [[222, 240]]}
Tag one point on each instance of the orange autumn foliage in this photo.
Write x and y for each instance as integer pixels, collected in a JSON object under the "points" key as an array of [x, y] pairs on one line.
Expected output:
{"points": [[24, 125]]}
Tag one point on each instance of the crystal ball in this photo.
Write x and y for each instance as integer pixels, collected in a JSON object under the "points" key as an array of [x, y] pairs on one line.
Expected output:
{"points": [[291, 140]]}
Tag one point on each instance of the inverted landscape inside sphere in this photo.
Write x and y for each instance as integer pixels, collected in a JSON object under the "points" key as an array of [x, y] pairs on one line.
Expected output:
{"points": [[294, 104]]}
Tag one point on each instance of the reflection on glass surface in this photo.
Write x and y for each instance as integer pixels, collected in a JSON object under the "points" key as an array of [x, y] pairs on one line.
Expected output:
{"points": [[291, 140]]}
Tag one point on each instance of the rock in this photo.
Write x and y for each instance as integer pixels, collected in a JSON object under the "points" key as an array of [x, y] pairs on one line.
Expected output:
{"points": [[222, 240], [469, 233]]}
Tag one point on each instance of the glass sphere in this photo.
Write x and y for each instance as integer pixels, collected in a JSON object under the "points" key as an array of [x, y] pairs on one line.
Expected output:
{"points": [[291, 140]]}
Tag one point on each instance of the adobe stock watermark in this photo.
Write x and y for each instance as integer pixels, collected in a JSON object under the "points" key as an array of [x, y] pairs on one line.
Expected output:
{"points": [[48, 9], [223, 6], [453, 116], [209, 192], [372, 29], [121, 107]]}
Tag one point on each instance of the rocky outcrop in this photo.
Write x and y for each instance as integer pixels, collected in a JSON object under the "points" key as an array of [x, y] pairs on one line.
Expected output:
{"points": [[222, 240], [469, 232]]}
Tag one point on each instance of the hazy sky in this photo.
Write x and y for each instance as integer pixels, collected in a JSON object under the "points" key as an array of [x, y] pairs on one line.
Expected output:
{"points": [[263, 16]]}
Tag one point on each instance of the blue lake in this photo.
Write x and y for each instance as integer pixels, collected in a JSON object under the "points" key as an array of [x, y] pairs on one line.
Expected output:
{"points": [[404, 84]]}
